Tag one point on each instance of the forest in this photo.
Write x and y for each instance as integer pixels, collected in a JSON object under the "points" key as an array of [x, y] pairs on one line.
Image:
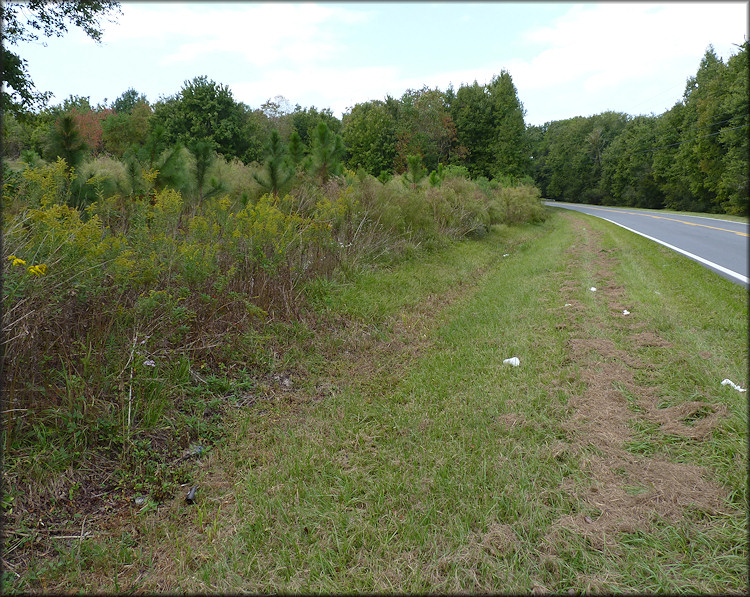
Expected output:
{"points": [[692, 157]]}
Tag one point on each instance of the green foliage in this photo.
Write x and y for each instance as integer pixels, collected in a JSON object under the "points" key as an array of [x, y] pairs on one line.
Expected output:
{"points": [[326, 154], [99, 178], [369, 133], [203, 109], [566, 164], [732, 188], [455, 171], [437, 176], [256, 130], [510, 147], [305, 122], [425, 127], [415, 172], [627, 176], [15, 137], [204, 154], [296, 150], [123, 130], [65, 141], [172, 169], [128, 100], [276, 172], [235, 178], [489, 122]]}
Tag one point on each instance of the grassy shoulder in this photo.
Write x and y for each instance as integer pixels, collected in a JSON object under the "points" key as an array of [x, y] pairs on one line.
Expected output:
{"points": [[410, 458]]}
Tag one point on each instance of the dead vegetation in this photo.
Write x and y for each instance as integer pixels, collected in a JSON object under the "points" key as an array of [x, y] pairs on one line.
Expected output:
{"points": [[627, 492]]}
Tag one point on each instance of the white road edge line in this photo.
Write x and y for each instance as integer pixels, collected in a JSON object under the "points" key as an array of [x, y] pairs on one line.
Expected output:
{"points": [[728, 272], [667, 213]]}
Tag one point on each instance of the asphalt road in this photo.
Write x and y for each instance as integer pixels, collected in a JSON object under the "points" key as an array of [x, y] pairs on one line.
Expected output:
{"points": [[720, 245]]}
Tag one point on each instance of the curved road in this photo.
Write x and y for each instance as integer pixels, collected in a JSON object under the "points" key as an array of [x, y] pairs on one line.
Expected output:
{"points": [[720, 245]]}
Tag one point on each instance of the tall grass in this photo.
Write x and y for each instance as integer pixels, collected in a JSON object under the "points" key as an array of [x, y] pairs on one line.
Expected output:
{"points": [[114, 283]]}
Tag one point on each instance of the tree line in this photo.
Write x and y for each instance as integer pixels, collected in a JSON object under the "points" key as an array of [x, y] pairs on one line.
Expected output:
{"points": [[692, 157], [479, 127]]}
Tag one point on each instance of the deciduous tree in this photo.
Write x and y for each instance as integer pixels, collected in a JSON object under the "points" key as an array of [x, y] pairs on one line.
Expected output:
{"points": [[27, 21], [369, 132], [203, 109]]}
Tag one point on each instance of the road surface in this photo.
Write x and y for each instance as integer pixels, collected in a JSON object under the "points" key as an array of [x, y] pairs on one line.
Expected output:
{"points": [[720, 245]]}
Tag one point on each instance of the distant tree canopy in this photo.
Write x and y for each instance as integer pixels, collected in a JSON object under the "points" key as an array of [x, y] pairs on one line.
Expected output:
{"points": [[480, 127], [369, 133], [489, 122], [127, 101], [692, 157]]}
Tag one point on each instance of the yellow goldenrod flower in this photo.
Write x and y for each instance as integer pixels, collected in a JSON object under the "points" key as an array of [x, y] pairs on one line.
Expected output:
{"points": [[17, 261], [38, 270]]}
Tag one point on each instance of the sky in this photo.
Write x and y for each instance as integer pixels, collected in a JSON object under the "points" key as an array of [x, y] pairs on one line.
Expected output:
{"points": [[565, 59]]}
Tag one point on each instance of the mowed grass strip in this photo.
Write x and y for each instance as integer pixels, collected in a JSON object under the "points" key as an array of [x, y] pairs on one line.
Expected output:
{"points": [[451, 471], [429, 482]]}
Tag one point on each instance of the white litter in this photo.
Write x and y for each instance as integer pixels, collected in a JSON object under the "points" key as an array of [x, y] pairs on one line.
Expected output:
{"points": [[593, 289], [625, 312], [512, 361], [728, 382], [506, 255], [568, 304]]}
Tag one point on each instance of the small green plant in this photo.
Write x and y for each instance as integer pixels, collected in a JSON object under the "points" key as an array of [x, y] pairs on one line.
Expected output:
{"points": [[415, 172]]}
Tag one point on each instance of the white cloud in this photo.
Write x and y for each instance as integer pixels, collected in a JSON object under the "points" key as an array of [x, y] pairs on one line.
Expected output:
{"points": [[325, 87], [604, 45], [261, 34]]}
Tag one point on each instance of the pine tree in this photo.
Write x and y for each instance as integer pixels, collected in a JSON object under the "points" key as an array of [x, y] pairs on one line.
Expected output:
{"points": [[296, 150], [66, 142], [327, 153], [415, 172], [275, 167], [203, 152]]}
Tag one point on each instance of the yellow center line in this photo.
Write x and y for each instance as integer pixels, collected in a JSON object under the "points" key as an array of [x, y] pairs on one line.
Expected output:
{"points": [[635, 213]]}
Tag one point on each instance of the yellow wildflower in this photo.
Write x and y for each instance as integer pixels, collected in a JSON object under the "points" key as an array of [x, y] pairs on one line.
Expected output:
{"points": [[38, 270], [16, 260]]}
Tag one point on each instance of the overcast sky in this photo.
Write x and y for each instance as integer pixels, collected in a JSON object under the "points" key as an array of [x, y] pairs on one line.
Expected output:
{"points": [[565, 59]]}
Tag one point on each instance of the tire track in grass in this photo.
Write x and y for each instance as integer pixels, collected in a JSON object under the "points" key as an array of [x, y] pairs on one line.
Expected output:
{"points": [[629, 492]]}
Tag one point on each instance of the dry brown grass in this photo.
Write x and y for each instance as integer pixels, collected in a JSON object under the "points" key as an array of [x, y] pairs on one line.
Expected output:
{"points": [[629, 492]]}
